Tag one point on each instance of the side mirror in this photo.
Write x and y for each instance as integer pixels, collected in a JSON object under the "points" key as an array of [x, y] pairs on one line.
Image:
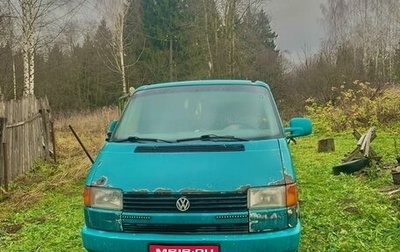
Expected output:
{"points": [[111, 129], [299, 126]]}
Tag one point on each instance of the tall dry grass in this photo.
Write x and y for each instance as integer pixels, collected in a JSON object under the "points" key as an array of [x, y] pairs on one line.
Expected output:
{"points": [[91, 128], [86, 121], [72, 163]]}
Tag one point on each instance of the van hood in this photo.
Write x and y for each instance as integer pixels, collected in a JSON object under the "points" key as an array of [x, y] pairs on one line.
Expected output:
{"points": [[190, 167]]}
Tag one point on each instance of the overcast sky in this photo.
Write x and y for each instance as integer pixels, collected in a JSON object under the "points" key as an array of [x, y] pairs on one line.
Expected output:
{"points": [[298, 25]]}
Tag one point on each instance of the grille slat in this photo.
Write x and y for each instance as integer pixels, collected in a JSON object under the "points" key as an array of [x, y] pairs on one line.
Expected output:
{"points": [[186, 228], [208, 202]]}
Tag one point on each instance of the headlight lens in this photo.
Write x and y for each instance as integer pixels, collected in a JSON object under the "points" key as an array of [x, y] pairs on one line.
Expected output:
{"points": [[106, 198], [266, 197], [274, 196]]}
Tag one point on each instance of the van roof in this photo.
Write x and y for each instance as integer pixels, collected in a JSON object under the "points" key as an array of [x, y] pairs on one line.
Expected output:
{"points": [[203, 82]]}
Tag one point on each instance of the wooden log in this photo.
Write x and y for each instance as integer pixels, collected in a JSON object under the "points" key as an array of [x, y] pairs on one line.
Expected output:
{"points": [[359, 150], [365, 146], [326, 145]]}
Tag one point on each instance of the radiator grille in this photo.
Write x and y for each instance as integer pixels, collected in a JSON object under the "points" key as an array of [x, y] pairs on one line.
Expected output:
{"points": [[208, 202]]}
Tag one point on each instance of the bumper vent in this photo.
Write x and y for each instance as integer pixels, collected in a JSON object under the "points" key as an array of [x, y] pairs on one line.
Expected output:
{"points": [[197, 228]]}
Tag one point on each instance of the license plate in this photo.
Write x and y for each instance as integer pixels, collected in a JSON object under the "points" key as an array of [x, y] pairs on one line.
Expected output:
{"points": [[183, 248]]}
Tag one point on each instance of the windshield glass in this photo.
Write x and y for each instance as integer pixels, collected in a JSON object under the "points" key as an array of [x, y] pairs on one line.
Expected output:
{"points": [[189, 112]]}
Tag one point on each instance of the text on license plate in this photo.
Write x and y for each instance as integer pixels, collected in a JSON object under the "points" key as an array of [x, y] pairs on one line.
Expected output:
{"points": [[183, 248]]}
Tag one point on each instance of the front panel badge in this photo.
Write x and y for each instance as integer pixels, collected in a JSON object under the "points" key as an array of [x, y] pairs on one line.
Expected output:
{"points": [[182, 204]]}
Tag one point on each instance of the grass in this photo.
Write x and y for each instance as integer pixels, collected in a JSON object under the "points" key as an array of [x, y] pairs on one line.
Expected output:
{"points": [[345, 212], [43, 211], [51, 224]]}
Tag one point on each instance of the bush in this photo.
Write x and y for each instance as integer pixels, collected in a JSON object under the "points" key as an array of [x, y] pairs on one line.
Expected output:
{"points": [[360, 106]]}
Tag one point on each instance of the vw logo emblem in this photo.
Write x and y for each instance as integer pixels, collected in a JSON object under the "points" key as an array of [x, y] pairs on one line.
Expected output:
{"points": [[182, 204]]}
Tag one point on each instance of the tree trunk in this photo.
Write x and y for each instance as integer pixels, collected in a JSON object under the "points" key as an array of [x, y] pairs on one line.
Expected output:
{"points": [[121, 52], [31, 64], [28, 8], [210, 57], [14, 79]]}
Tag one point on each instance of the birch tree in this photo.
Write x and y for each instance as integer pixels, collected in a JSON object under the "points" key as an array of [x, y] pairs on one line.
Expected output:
{"points": [[208, 8], [39, 22], [370, 28], [116, 13], [29, 14]]}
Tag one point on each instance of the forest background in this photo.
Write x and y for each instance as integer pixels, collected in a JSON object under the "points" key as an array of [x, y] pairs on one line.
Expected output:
{"points": [[351, 82], [45, 47]]}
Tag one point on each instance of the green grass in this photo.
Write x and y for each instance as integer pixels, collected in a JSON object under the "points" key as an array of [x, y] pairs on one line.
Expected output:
{"points": [[345, 212], [338, 213], [52, 224]]}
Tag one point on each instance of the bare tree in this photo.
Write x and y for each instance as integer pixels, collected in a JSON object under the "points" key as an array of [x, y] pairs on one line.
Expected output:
{"points": [[116, 13], [207, 6], [39, 22], [7, 35], [232, 13], [29, 14], [370, 28]]}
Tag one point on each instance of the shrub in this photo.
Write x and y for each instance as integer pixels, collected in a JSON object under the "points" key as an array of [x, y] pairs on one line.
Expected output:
{"points": [[359, 106]]}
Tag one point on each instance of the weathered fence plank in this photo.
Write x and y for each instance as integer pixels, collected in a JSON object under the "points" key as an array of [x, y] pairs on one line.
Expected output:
{"points": [[3, 153], [25, 135]]}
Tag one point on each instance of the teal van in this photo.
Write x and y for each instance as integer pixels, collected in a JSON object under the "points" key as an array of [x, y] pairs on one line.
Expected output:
{"points": [[195, 166]]}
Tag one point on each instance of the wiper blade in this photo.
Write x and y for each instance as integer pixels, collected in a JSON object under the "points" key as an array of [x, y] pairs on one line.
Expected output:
{"points": [[135, 139], [211, 137]]}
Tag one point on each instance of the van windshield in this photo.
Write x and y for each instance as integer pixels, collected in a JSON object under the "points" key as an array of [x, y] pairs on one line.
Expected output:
{"points": [[185, 113]]}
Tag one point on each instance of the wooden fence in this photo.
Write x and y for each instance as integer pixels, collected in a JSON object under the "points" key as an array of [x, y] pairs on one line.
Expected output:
{"points": [[26, 136]]}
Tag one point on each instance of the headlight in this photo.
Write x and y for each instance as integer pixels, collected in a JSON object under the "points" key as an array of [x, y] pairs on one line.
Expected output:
{"points": [[274, 196], [99, 197]]}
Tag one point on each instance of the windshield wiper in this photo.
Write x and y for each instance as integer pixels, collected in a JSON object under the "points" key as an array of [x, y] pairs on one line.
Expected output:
{"points": [[211, 137], [135, 139]]}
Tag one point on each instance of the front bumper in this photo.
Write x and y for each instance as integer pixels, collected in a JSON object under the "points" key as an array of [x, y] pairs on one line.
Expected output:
{"points": [[277, 241]]}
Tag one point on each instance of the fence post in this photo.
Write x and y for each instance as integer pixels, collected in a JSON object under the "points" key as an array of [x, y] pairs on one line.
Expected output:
{"points": [[6, 168], [53, 139], [46, 131], [3, 154]]}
